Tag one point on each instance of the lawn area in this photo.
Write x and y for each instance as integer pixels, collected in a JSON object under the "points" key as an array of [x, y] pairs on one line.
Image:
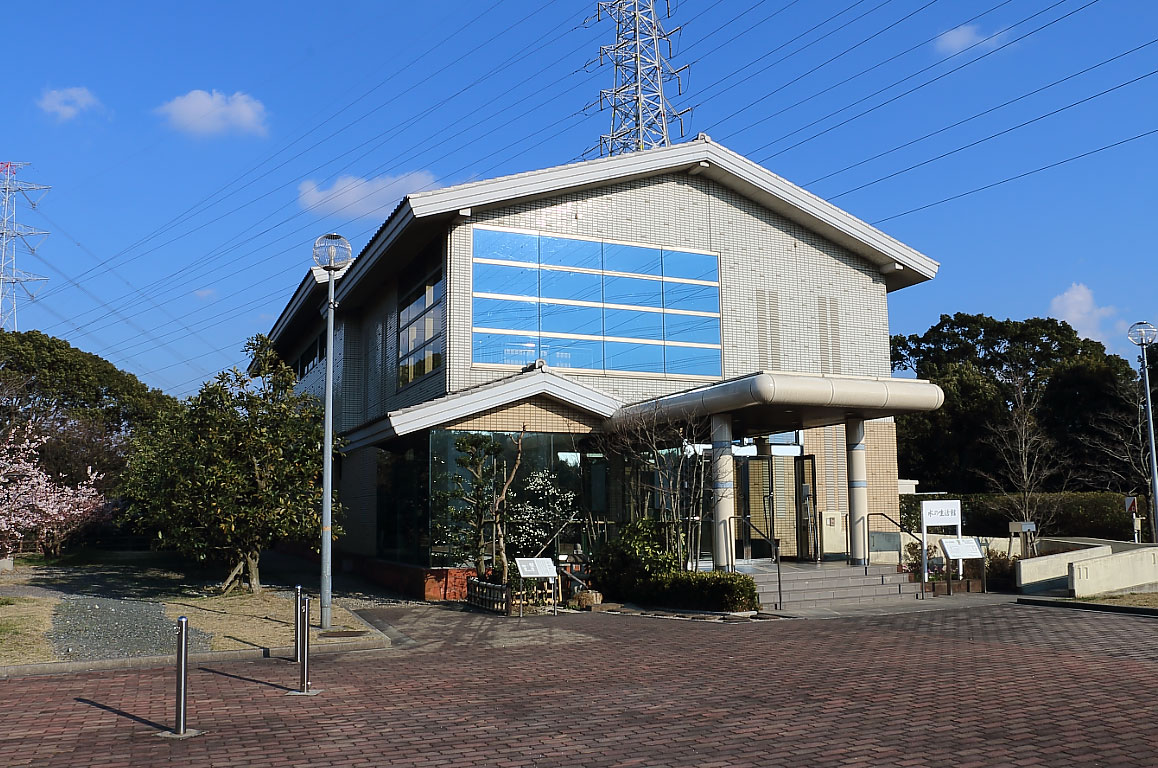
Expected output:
{"points": [[24, 622], [1137, 599]]}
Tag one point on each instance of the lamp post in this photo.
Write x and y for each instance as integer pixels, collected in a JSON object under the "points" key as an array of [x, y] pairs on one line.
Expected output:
{"points": [[1143, 334], [332, 253]]}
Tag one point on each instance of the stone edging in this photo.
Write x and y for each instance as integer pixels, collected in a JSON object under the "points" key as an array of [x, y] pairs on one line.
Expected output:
{"points": [[143, 662]]}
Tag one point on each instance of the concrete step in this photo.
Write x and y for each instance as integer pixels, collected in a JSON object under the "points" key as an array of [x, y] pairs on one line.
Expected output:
{"points": [[793, 596], [846, 602]]}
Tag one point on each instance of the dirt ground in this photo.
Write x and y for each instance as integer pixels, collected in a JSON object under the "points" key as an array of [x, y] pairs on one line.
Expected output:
{"points": [[265, 620], [1139, 599]]}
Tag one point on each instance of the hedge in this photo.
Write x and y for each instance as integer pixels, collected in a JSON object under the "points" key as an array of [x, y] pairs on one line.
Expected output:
{"points": [[1100, 515], [699, 591]]}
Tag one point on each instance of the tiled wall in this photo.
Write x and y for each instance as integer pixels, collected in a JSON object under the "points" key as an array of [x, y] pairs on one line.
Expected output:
{"points": [[790, 299], [539, 414]]}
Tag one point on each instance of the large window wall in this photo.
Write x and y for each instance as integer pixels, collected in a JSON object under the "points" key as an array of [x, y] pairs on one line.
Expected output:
{"points": [[420, 326], [594, 305]]}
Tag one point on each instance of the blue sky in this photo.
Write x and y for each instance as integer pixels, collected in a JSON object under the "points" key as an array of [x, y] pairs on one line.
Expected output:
{"points": [[195, 151]]}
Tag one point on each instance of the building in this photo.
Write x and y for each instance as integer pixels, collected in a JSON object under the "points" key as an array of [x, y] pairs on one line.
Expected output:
{"points": [[668, 283]]}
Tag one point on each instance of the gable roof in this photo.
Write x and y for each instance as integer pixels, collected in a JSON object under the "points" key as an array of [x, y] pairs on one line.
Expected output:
{"points": [[510, 389], [901, 265]]}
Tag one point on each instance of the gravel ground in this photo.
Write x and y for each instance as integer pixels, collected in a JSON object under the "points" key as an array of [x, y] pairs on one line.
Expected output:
{"points": [[89, 628]]}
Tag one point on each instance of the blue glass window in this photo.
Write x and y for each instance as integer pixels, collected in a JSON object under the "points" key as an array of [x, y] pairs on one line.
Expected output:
{"points": [[572, 353], [698, 298], [633, 290], [631, 258], [633, 324], [693, 328], [512, 246], [694, 361], [504, 349], [565, 252], [625, 356], [692, 266], [510, 315], [577, 286], [565, 318], [514, 281]]}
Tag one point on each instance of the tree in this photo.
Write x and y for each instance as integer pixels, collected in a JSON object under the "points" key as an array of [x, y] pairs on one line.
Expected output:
{"points": [[980, 362], [481, 491], [33, 503], [83, 405], [669, 475], [1027, 458], [232, 470]]}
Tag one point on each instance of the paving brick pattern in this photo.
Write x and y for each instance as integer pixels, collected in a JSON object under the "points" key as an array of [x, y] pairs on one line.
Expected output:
{"points": [[1030, 686]]}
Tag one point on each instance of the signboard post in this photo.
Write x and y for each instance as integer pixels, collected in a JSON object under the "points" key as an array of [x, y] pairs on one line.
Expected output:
{"points": [[960, 549], [943, 512], [538, 568], [1132, 511]]}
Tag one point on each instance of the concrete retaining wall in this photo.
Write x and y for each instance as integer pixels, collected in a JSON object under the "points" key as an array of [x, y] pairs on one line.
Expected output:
{"points": [[1134, 571], [1038, 574]]}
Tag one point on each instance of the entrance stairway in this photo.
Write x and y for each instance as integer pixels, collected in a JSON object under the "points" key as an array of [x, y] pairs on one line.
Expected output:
{"points": [[825, 585]]}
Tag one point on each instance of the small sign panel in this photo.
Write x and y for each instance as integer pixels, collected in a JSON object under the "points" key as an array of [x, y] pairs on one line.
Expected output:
{"points": [[535, 567], [946, 512], [962, 549], [1131, 505]]}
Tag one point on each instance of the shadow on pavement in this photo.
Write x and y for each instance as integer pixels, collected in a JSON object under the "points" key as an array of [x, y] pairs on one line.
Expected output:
{"points": [[122, 713]]}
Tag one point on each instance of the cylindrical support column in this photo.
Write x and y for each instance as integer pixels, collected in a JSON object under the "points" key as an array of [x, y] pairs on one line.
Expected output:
{"points": [[298, 624], [304, 678], [328, 456], [723, 494], [182, 673], [1153, 457], [857, 491]]}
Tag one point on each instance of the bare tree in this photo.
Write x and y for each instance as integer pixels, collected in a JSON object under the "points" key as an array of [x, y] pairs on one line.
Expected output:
{"points": [[669, 473], [1118, 436], [1028, 460]]}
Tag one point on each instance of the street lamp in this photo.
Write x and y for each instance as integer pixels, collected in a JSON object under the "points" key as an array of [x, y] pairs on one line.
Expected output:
{"points": [[1143, 334], [332, 253]]}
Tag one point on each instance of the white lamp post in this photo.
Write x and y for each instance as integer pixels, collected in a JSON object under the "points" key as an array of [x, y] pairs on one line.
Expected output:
{"points": [[1143, 334], [332, 253]]}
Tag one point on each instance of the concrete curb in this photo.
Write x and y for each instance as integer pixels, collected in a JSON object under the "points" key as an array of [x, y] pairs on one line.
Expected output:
{"points": [[143, 662], [1065, 602]]}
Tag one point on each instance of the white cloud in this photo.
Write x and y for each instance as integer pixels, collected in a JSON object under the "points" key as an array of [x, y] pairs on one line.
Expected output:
{"points": [[203, 113], [353, 196], [67, 103], [962, 37], [205, 293], [1077, 307]]}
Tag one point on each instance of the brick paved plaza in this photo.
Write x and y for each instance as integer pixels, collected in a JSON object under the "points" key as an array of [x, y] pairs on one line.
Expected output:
{"points": [[986, 686]]}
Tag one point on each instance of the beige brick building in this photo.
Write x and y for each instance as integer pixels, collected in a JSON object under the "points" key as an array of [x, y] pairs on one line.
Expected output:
{"points": [[683, 282]]}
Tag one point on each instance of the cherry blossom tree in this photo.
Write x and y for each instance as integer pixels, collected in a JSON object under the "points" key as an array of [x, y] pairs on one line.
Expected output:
{"points": [[34, 504]]}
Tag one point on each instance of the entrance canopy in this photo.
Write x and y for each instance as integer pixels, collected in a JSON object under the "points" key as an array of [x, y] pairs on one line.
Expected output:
{"points": [[765, 403]]}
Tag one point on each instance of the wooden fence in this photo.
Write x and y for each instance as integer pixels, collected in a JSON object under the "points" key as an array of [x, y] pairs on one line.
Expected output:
{"points": [[489, 597]]}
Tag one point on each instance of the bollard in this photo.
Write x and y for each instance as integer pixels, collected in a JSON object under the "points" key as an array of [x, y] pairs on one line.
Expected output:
{"points": [[182, 672], [298, 624], [304, 647]]}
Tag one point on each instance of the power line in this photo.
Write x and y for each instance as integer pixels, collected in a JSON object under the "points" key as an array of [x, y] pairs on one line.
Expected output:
{"points": [[1017, 177], [991, 136]]}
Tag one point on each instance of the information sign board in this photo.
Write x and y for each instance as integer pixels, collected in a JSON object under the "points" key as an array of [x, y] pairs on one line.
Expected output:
{"points": [[962, 549], [944, 512], [536, 567]]}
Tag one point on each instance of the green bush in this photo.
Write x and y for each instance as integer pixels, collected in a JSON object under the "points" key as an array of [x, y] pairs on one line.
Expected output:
{"points": [[700, 591], [636, 556]]}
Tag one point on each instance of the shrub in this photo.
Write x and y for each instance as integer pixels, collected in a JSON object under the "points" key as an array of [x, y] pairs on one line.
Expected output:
{"points": [[638, 554], [700, 591]]}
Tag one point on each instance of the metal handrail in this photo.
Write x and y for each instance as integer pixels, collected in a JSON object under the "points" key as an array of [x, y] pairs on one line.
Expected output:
{"points": [[775, 558]]}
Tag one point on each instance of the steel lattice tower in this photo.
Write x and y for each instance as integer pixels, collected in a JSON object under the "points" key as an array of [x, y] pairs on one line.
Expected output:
{"points": [[641, 116], [13, 281]]}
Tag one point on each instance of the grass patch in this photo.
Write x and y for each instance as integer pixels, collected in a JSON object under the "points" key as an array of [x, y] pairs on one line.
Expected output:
{"points": [[1137, 599], [243, 620], [24, 624]]}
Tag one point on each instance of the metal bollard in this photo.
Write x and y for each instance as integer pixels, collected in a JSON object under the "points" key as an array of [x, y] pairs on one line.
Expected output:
{"points": [[182, 672], [304, 647], [298, 624]]}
